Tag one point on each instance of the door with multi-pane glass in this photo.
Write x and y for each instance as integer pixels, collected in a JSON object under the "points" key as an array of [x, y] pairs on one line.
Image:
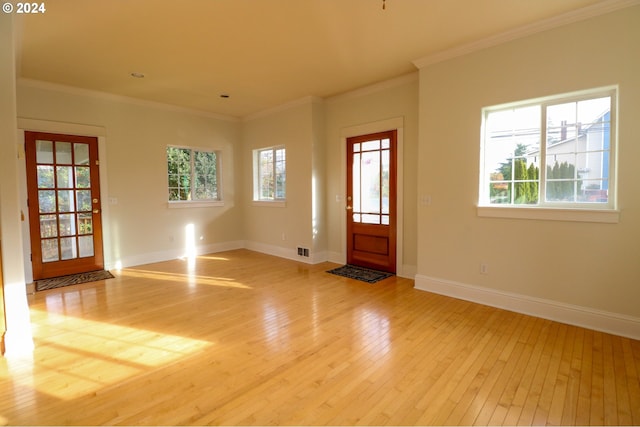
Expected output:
{"points": [[64, 204], [371, 201]]}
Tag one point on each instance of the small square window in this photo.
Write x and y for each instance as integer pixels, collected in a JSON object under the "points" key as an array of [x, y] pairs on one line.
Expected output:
{"points": [[193, 175]]}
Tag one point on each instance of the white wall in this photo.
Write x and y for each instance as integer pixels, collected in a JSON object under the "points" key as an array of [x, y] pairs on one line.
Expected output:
{"points": [[140, 227], [275, 228], [318, 183], [18, 334], [577, 265]]}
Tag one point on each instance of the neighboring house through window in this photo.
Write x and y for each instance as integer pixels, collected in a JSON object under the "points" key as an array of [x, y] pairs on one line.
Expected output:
{"points": [[557, 152]]}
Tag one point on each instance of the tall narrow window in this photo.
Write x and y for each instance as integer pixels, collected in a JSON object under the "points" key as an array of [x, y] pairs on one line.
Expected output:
{"points": [[193, 174], [270, 174]]}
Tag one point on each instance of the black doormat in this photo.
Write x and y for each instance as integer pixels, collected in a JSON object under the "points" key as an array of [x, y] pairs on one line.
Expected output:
{"points": [[360, 273], [72, 279]]}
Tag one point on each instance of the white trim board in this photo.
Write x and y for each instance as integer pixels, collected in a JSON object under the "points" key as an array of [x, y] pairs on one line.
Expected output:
{"points": [[603, 321]]}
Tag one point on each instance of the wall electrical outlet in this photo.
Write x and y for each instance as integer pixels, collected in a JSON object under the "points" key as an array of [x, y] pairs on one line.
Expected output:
{"points": [[484, 268]]}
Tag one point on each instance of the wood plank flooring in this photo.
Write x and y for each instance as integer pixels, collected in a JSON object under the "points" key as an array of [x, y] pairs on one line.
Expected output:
{"points": [[245, 338]]}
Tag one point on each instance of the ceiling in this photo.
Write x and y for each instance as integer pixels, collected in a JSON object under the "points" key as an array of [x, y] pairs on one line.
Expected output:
{"points": [[261, 53]]}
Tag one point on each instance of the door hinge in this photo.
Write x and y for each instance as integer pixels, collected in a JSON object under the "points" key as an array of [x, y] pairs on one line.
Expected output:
{"points": [[97, 162]]}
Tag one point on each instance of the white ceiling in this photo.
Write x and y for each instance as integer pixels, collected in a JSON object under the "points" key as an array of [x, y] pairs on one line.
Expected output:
{"points": [[262, 53]]}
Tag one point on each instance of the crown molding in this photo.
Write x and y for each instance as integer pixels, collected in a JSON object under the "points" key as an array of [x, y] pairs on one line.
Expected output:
{"points": [[578, 15], [72, 90]]}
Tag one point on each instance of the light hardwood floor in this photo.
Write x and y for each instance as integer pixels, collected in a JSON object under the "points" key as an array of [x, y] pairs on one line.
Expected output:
{"points": [[246, 338]]}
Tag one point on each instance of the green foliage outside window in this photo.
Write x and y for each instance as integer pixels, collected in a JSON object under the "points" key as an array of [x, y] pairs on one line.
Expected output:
{"points": [[192, 175]]}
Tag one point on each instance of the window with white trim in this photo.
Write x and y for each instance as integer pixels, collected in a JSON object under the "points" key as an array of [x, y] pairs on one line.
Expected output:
{"points": [[193, 175], [557, 152], [269, 174]]}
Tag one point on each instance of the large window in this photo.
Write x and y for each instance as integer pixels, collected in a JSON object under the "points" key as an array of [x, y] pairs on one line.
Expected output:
{"points": [[552, 153], [193, 175], [270, 175]]}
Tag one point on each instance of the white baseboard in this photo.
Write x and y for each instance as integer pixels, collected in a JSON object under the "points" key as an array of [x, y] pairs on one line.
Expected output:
{"points": [[613, 323], [288, 253], [160, 256], [407, 271], [148, 258], [337, 257]]}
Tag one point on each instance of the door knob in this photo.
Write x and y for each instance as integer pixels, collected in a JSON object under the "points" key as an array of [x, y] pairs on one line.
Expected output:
{"points": [[96, 211], [349, 208]]}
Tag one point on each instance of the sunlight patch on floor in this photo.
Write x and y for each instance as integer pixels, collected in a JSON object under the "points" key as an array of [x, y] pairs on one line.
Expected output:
{"points": [[177, 277], [84, 356]]}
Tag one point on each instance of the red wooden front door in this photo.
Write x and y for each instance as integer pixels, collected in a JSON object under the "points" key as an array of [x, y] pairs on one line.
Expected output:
{"points": [[371, 201]]}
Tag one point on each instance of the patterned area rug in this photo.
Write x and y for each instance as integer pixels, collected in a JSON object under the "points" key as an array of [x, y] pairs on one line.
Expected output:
{"points": [[360, 273], [73, 279]]}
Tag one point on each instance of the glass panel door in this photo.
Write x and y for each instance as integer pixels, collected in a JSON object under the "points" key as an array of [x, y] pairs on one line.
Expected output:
{"points": [[62, 176], [64, 200]]}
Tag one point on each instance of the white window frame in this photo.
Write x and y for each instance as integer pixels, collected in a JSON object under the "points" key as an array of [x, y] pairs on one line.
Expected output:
{"points": [[543, 210], [258, 199], [194, 203]]}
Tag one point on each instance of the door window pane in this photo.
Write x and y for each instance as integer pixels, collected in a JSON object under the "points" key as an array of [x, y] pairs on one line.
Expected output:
{"points": [[49, 250], [356, 184], [85, 223], [65, 176], [370, 219], [48, 226], [65, 201], [371, 145], [370, 185], [385, 180], [83, 198], [46, 201], [63, 153], [67, 224], [85, 246], [83, 177], [68, 248], [44, 152], [45, 177], [81, 154]]}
